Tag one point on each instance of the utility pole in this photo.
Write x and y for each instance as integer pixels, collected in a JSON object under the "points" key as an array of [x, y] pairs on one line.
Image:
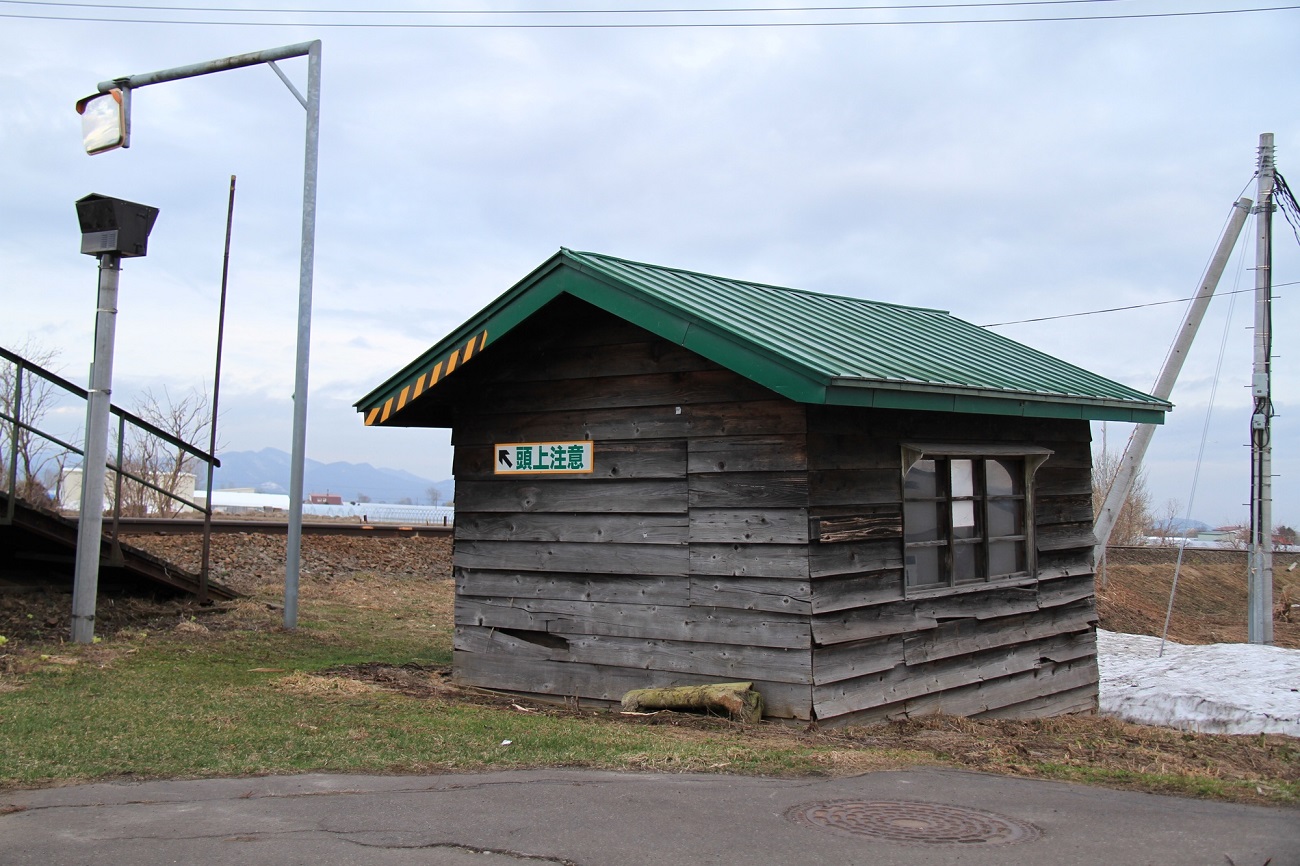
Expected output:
{"points": [[1260, 580]]}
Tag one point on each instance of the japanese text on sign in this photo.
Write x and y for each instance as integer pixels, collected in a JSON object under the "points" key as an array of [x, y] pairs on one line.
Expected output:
{"points": [[543, 458]]}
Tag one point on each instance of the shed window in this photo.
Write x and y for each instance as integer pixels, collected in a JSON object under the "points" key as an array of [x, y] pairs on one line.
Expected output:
{"points": [[965, 520]]}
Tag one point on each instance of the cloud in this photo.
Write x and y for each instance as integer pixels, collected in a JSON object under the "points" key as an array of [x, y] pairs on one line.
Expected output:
{"points": [[1000, 171]]}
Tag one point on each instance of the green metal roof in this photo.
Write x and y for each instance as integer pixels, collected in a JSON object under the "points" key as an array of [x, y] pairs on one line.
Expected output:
{"points": [[809, 347]]}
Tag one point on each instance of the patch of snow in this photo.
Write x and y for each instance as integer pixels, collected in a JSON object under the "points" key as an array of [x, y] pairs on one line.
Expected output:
{"points": [[1217, 688], [1175, 542]]}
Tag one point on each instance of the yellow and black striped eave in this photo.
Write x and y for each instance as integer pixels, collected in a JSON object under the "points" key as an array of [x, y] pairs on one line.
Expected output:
{"points": [[441, 369]]}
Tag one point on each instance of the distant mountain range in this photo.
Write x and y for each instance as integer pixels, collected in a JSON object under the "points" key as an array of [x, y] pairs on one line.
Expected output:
{"points": [[267, 471]]}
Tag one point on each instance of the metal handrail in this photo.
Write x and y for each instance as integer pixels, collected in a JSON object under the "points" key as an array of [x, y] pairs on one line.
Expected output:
{"points": [[134, 419], [17, 426]]}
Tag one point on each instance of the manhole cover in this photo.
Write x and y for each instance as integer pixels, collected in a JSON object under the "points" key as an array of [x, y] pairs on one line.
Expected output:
{"points": [[911, 823]]}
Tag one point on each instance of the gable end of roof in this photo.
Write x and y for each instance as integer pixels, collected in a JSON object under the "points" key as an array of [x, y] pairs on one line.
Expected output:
{"points": [[808, 347]]}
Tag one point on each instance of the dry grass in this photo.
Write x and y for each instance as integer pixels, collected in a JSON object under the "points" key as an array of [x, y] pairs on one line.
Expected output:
{"points": [[402, 619], [322, 686], [1085, 746], [1210, 604], [1250, 769]]}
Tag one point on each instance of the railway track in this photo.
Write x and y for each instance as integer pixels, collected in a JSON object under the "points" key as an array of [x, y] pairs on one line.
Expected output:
{"points": [[182, 526]]}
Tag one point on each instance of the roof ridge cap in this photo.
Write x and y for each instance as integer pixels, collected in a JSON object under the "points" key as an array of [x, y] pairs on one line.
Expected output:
{"points": [[791, 289]]}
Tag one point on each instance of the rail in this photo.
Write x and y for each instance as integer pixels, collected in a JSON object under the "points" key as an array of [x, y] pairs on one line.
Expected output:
{"points": [[22, 427], [227, 526]]}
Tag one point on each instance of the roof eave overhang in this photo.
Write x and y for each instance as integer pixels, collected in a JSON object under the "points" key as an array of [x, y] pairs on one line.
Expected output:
{"points": [[564, 273], [885, 394], [498, 318]]}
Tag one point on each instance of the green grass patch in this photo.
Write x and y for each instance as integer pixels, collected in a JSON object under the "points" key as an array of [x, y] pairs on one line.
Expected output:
{"points": [[236, 703], [229, 693], [169, 709]]}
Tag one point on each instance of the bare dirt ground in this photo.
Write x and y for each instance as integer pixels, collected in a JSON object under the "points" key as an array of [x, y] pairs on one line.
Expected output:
{"points": [[248, 563], [1210, 602]]}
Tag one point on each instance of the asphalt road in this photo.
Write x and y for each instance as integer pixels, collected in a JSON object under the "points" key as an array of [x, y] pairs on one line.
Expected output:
{"points": [[615, 819]]}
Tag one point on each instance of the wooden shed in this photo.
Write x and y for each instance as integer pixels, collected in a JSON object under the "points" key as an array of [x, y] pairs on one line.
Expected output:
{"points": [[666, 478]]}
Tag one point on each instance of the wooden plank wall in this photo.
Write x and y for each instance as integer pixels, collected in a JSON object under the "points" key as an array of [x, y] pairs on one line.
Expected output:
{"points": [[687, 555], [643, 573], [988, 650]]}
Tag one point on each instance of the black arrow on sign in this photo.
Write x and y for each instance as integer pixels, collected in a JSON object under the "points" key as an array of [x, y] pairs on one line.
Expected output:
{"points": [[503, 456]]}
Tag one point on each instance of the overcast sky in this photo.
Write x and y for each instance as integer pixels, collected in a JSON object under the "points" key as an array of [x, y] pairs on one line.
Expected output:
{"points": [[1002, 171]]}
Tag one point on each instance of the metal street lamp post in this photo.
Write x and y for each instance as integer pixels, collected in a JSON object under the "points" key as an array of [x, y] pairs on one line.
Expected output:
{"points": [[111, 229], [106, 124]]}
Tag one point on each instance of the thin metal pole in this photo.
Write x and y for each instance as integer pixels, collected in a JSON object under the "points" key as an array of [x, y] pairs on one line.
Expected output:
{"points": [[237, 61], [216, 395], [1259, 626], [115, 547], [10, 509], [1131, 461], [85, 585], [312, 51], [293, 544], [302, 100]]}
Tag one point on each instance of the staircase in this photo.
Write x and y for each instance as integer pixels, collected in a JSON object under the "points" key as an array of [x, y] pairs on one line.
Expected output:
{"points": [[38, 548]]}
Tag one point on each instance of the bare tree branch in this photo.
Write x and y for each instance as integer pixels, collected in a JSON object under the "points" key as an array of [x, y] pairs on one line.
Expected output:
{"points": [[160, 463], [1135, 515], [35, 455]]}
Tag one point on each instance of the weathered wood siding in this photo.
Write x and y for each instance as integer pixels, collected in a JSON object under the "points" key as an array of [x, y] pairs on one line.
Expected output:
{"points": [[882, 653], [682, 559], [731, 534]]}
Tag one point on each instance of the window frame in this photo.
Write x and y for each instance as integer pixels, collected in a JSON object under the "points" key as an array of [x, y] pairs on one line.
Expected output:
{"points": [[1032, 458]]}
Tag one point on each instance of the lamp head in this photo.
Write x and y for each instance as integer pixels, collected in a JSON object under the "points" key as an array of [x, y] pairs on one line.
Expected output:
{"points": [[114, 225]]}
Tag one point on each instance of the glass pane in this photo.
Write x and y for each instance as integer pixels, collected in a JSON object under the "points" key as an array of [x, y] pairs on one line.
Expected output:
{"points": [[966, 564], [1006, 557], [963, 478], [920, 481], [1003, 477], [922, 565], [963, 520], [1006, 517], [921, 521]]}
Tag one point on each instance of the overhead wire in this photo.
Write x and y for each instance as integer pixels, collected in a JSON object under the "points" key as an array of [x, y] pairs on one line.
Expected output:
{"points": [[1132, 306], [621, 11], [1120, 309], [1287, 203], [641, 25], [1210, 258], [1287, 200]]}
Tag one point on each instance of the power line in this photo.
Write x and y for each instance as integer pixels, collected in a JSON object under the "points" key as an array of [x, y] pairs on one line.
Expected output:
{"points": [[677, 10], [647, 25], [1287, 203], [1122, 309]]}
